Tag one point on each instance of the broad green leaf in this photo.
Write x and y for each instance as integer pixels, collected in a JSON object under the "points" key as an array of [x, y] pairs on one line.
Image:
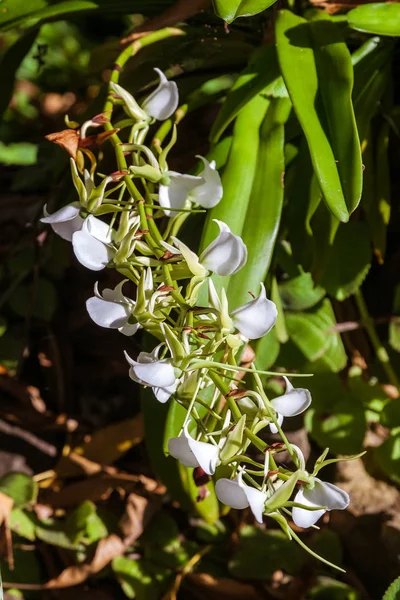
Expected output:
{"points": [[261, 552], [328, 544], [317, 70], [393, 591], [85, 525], [141, 579], [313, 333], [262, 221], [229, 10], [324, 226], [379, 18], [9, 64], [53, 532], [260, 75], [372, 72], [266, 350], [22, 488], [349, 260], [22, 523], [387, 455], [300, 293], [379, 209], [326, 588], [372, 395], [336, 417], [23, 153]]}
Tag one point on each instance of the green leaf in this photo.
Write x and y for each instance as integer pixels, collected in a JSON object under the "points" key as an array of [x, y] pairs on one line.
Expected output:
{"points": [[336, 418], [22, 488], [266, 350], [261, 74], [317, 70], [349, 260], [378, 18], [9, 64], [313, 334], [300, 293], [263, 215], [326, 588], [23, 153], [237, 178], [229, 10], [260, 553], [283, 493], [394, 325], [84, 524], [393, 591], [138, 578], [22, 523], [387, 456]]}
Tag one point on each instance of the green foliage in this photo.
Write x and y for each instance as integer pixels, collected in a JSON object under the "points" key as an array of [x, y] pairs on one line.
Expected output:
{"points": [[232, 9], [381, 19], [393, 592], [20, 487]]}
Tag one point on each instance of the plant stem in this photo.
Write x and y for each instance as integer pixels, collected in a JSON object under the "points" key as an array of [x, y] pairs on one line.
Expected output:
{"points": [[380, 350]]}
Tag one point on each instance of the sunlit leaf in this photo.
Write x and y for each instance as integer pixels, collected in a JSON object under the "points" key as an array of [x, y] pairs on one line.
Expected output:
{"points": [[22, 488], [379, 18], [229, 10]]}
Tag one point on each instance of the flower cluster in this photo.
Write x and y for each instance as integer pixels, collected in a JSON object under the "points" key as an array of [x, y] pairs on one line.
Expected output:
{"points": [[196, 358]]}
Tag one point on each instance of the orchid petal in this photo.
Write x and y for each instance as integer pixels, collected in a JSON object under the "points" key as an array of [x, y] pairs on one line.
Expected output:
{"points": [[255, 498], [213, 299], [157, 374], [129, 329], [210, 192], [255, 318], [163, 102], [164, 393], [179, 448], [65, 221], [230, 493], [293, 402], [99, 229], [226, 254], [303, 517], [193, 453], [272, 427], [90, 252], [174, 195], [107, 314]]}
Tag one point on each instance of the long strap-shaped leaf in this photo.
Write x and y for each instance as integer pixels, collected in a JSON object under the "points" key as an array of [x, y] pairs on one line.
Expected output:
{"points": [[316, 67], [263, 215]]}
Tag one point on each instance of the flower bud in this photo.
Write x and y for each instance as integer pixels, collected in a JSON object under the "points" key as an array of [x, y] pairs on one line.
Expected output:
{"points": [[163, 102]]}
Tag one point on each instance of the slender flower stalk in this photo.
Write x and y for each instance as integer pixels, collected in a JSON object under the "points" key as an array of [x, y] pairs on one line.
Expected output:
{"points": [[129, 221]]}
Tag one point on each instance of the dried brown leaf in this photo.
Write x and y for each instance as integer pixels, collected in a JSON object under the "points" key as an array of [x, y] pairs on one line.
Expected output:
{"points": [[203, 585], [68, 139]]}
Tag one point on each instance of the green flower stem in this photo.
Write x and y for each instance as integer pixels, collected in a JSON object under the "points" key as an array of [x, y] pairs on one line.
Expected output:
{"points": [[380, 350], [237, 369], [242, 458], [224, 389], [314, 554]]}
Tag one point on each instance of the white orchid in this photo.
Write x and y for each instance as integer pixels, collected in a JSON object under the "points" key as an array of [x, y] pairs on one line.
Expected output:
{"points": [[193, 453], [239, 495], [315, 494], [160, 105], [292, 403], [224, 256], [227, 254], [255, 318], [92, 244], [204, 189], [158, 374], [112, 309], [173, 193], [64, 221], [163, 102]]}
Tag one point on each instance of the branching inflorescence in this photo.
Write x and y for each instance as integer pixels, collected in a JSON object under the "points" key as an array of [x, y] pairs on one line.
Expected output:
{"points": [[197, 358]]}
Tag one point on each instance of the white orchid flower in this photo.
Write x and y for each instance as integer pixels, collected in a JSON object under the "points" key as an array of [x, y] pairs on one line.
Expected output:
{"points": [[131, 106], [163, 102], [174, 192], [236, 494], [292, 403], [210, 192], [316, 493], [92, 244], [112, 309], [193, 453], [158, 374], [255, 318], [226, 254], [64, 221]]}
